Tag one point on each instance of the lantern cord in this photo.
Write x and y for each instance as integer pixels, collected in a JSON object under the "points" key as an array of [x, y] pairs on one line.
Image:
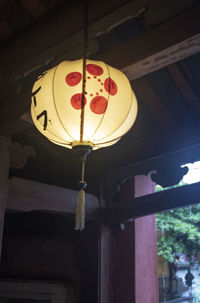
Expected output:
{"points": [[80, 210], [85, 56], [85, 41]]}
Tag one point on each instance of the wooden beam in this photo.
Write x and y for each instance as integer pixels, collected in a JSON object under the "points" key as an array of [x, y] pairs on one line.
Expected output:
{"points": [[153, 102], [151, 204], [63, 39], [26, 195], [158, 47], [186, 89], [4, 170], [160, 162], [155, 48], [160, 59]]}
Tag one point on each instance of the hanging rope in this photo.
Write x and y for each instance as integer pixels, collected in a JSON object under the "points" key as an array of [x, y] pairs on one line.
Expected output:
{"points": [[80, 210], [85, 56]]}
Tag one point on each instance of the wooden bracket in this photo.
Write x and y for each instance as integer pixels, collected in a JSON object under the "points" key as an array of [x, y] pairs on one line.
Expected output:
{"points": [[19, 155]]}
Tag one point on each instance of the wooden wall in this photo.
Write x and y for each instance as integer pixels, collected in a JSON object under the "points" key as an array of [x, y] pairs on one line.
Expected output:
{"points": [[40, 246]]}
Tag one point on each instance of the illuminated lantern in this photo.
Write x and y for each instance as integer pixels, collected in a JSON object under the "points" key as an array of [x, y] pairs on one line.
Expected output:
{"points": [[72, 109], [110, 105]]}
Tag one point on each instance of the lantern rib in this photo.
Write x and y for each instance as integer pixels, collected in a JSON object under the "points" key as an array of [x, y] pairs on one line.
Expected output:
{"points": [[55, 103], [105, 142], [47, 130], [61, 143], [82, 99], [120, 125], [116, 139], [108, 98]]}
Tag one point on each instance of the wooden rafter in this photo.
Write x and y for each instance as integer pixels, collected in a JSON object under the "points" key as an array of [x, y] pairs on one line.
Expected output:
{"points": [[153, 102], [150, 204], [187, 91], [158, 47]]}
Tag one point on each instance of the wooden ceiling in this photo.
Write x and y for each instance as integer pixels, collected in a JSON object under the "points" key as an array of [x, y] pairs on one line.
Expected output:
{"points": [[156, 43]]}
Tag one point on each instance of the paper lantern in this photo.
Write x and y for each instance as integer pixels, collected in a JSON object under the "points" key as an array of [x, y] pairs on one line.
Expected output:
{"points": [[106, 113], [84, 105]]}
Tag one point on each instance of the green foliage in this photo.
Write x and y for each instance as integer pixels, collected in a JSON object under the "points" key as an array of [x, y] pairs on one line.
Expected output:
{"points": [[179, 232]]}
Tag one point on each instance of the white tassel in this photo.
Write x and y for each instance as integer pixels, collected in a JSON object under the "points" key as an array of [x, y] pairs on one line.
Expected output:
{"points": [[80, 211]]}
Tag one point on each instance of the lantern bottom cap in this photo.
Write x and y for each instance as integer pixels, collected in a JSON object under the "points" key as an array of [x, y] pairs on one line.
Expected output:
{"points": [[85, 145]]}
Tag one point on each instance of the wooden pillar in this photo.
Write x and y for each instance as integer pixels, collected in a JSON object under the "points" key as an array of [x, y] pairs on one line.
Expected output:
{"points": [[105, 265], [146, 279], [124, 267], [128, 271], [105, 260], [4, 170], [123, 254]]}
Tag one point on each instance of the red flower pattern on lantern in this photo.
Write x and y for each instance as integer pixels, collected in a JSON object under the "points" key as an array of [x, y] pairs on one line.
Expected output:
{"points": [[76, 101], [94, 69], [98, 104], [110, 86], [73, 78]]}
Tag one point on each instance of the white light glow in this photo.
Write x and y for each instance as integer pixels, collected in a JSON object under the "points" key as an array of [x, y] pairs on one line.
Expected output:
{"points": [[193, 174]]}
